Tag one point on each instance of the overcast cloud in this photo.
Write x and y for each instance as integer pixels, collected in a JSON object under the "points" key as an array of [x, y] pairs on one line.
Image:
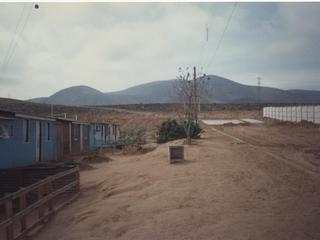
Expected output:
{"points": [[112, 46]]}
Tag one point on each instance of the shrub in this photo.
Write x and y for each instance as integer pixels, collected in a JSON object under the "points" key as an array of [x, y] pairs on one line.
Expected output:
{"points": [[195, 130], [133, 138], [171, 130]]}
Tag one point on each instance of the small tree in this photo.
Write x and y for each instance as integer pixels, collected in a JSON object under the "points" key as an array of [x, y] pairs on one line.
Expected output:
{"points": [[189, 94]]}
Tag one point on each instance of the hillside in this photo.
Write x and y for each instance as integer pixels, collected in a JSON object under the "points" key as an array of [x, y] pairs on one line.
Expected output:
{"points": [[218, 90]]}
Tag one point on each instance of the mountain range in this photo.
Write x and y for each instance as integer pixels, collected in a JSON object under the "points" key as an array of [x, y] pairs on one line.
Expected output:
{"points": [[217, 90]]}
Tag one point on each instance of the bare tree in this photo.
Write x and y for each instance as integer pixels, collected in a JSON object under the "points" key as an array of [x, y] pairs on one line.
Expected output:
{"points": [[189, 92]]}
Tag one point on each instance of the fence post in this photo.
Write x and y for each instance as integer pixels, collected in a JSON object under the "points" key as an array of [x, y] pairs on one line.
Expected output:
{"points": [[8, 214], [22, 205], [50, 190], [78, 180], [314, 113], [40, 194]]}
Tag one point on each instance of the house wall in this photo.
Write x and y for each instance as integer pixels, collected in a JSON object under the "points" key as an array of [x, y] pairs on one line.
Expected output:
{"points": [[15, 152], [99, 135], [92, 141], [63, 143], [114, 133], [59, 147], [48, 145], [75, 138], [85, 137], [111, 134], [118, 133]]}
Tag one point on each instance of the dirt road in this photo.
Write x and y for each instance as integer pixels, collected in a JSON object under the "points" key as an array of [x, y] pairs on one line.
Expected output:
{"points": [[225, 190]]}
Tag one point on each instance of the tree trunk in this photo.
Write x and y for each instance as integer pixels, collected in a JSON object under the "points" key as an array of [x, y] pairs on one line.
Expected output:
{"points": [[189, 132]]}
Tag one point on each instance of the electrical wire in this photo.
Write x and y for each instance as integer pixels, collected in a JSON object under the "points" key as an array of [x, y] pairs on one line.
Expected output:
{"points": [[20, 33], [206, 44], [222, 35], [13, 38]]}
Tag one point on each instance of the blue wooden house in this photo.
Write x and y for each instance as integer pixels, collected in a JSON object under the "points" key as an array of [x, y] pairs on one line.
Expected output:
{"points": [[98, 135], [113, 134], [25, 140], [103, 134]]}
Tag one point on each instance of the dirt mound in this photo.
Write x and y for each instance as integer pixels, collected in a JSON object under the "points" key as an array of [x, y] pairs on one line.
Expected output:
{"points": [[96, 156]]}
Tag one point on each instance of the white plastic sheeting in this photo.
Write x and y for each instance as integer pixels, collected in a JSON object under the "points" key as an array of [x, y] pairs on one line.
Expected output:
{"points": [[250, 120], [294, 113], [217, 122], [221, 122]]}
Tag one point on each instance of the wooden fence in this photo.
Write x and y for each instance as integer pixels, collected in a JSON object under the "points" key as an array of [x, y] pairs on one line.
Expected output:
{"points": [[28, 207]]}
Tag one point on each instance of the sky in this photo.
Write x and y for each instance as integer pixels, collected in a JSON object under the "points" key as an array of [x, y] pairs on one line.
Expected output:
{"points": [[113, 46]]}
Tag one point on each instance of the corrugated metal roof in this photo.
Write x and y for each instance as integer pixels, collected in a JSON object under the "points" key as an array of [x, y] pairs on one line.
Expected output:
{"points": [[34, 117], [6, 118], [7, 114], [11, 115]]}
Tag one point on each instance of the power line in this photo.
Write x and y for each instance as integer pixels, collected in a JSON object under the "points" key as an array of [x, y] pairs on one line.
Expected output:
{"points": [[20, 33], [259, 89], [203, 50], [223, 34], [13, 38], [206, 43]]}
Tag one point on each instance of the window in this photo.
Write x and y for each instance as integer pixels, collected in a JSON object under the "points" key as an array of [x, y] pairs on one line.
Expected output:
{"points": [[102, 128], [4, 134], [48, 132], [26, 130]]}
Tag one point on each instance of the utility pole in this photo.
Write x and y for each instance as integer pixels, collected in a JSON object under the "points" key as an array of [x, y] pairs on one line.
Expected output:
{"points": [[195, 94], [207, 32], [189, 91], [259, 88]]}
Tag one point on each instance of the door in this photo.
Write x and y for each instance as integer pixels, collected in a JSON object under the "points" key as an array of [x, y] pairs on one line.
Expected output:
{"points": [[75, 138], [38, 141]]}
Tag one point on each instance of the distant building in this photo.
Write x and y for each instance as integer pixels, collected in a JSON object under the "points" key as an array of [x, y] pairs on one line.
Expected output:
{"points": [[103, 134], [72, 137], [26, 140], [98, 135], [114, 133]]}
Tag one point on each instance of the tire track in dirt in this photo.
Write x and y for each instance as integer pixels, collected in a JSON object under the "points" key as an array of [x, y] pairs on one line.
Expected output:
{"points": [[314, 173]]}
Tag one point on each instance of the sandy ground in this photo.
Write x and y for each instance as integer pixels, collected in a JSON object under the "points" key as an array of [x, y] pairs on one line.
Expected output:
{"points": [[226, 189]]}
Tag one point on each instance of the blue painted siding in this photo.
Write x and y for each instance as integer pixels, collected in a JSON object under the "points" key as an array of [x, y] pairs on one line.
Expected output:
{"points": [[48, 145], [98, 135], [15, 152], [92, 140]]}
